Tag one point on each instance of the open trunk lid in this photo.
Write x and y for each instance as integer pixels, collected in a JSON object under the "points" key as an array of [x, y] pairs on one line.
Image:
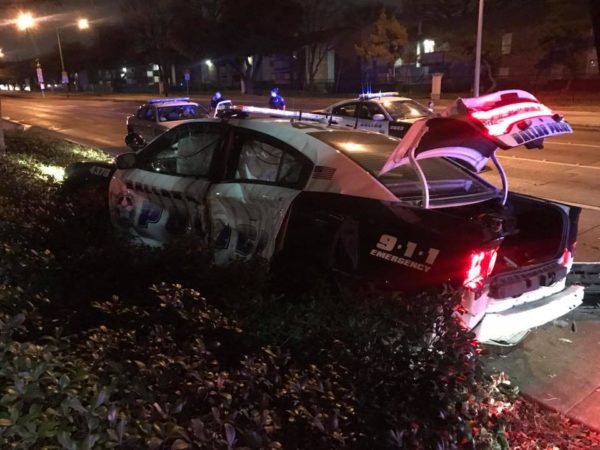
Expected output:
{"points": [[473, 129]]}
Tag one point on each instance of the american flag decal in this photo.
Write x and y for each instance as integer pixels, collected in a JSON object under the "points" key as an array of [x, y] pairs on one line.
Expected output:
{"points": [[323, 173]]}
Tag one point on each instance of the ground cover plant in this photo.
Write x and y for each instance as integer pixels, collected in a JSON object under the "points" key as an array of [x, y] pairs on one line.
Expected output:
{"points": [[107, 345]]}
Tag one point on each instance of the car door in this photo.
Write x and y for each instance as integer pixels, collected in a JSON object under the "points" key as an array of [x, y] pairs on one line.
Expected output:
{"points": [[163, 195], [146, 122], [247, 209], [365, 113], [345, 114]]}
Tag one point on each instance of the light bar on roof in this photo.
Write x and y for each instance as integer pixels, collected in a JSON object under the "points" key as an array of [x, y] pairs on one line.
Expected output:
{"points": [[277, 113], [378, 95], [499, 121], [168, 100]]}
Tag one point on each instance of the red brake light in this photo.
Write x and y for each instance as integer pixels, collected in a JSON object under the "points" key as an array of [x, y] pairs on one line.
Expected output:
{"points": [[480, 265]]}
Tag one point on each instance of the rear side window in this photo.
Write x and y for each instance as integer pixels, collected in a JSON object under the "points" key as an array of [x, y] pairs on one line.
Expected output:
{"points": [[371, 151], [265, 160]]}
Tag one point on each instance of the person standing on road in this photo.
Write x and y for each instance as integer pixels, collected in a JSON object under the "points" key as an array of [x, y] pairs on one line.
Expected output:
{"points": [[276, 101], [214, 101]]}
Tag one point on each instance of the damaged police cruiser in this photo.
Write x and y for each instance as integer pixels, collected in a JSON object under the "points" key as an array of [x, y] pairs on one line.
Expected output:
{"points": [[400, 213]]}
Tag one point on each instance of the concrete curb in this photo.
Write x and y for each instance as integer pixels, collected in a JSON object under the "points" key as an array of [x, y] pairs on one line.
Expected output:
{"points": [[13, 125]]}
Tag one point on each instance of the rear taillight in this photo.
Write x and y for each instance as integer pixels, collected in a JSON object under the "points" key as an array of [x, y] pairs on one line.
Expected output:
{"points": [[479, 265]]}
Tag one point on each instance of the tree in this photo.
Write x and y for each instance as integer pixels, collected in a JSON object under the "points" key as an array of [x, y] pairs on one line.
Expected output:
{"points": [[594, 6], [153, 24], [273, 28], [322, 23], [386, 41], [565, 36]]}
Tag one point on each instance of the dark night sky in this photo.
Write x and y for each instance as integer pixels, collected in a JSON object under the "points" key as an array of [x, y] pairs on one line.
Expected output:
{"points": [[51, 15]]}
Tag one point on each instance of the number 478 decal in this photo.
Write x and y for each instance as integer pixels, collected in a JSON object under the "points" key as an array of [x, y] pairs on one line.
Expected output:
{"points": [[407, 253]]}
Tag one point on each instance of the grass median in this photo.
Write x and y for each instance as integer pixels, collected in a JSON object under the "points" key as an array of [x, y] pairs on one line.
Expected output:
{"points": [[104, 344]]}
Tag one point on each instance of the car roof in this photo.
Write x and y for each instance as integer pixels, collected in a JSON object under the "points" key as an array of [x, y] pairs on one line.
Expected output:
{"points": [[161, 104], [296, 133], [388, 99], [376, 99]]}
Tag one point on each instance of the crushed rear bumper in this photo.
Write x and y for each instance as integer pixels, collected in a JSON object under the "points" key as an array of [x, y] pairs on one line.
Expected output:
{"points": [[499, 324]]}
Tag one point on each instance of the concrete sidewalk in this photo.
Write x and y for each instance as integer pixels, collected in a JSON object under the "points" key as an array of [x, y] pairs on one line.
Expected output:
{"points": [[558, 366]]}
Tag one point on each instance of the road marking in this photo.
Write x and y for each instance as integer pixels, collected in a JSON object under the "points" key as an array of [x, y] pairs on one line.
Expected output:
{"points": [[555, 163], [574, 145]]}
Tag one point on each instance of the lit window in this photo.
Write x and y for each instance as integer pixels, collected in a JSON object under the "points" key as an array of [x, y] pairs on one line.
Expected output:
{"points": [[506, 43], [428, 46], [155, 67]]}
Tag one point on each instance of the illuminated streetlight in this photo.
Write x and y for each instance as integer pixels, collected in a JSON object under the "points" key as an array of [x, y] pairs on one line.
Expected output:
{"points": [[24, 21], [1, 53], [83, 24]]}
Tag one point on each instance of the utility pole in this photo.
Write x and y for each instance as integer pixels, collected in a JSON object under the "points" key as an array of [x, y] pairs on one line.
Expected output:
{"points": [[63, 74], [478, 50]]}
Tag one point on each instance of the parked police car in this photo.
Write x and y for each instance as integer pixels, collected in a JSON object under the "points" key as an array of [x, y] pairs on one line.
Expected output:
{"points": [[383, 112], [159, 115], [399, 213]]}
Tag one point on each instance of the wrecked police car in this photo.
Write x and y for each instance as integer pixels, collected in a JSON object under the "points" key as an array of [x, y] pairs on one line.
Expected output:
{"points": [[400, 213]]}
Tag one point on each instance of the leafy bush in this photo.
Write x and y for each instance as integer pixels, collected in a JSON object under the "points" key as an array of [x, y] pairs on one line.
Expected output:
{"points": [[101, 346]]}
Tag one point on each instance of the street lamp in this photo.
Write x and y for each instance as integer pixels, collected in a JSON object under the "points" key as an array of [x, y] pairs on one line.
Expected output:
{"points": [[83, 24], [1, 53], [24, 21]]}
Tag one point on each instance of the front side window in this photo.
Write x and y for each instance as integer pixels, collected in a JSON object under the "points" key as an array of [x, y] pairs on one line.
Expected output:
{"points": [[150, 114], [267, 161], [186, 150], [347, 110], [406, 109]]}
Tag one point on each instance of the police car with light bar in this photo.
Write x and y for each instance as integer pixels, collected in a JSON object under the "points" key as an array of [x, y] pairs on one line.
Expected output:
{"points": [[401, 214], [159, 115], [383, 112]]}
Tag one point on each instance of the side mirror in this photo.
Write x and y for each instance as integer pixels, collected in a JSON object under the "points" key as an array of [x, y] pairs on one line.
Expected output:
{"points": [[134, 141], [126, 161], [378, 117]]}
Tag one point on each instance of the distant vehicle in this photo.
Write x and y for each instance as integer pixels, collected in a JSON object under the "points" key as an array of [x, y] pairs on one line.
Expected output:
{"points": [[159, 115], [401, 214], [383, 112]]}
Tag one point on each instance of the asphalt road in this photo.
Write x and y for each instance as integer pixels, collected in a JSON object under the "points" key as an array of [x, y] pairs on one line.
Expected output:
{"points": [[566, 170]]}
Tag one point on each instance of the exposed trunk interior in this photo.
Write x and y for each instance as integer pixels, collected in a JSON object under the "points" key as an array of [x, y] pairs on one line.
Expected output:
{"points": [[534, 232]]}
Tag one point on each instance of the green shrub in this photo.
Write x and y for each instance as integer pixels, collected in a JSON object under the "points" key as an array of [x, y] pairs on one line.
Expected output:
{"points": [[102, 347]]}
